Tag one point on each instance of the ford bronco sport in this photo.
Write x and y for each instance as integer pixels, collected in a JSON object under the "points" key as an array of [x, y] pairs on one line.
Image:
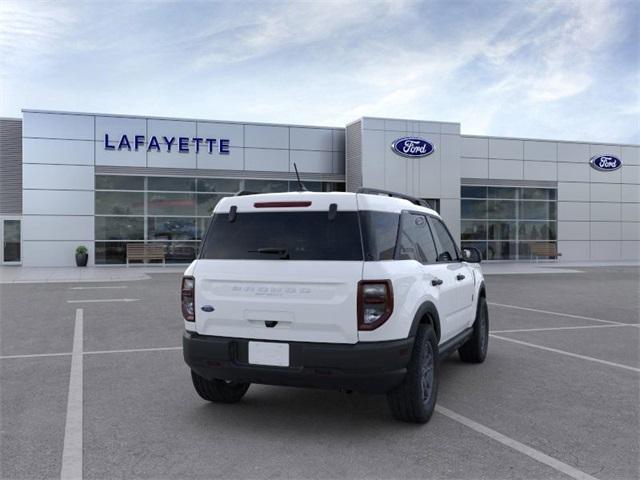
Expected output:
{"points": [[358, 291]]}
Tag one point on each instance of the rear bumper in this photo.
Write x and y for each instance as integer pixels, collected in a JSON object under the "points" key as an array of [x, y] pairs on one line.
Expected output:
{"points": [[374, 367]]}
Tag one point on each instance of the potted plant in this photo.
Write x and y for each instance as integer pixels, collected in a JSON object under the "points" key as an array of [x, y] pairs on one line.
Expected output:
{"points": [[82, 256]]}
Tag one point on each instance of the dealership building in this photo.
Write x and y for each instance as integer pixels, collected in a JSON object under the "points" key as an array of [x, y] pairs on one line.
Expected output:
{"points": [[109, 181]]}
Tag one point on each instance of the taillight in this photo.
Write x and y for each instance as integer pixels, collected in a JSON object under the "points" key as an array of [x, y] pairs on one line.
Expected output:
{"points": [[187, 298], [375, 303]]}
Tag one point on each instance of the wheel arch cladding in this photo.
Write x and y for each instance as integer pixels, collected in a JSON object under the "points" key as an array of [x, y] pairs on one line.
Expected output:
{"points": [[426, 314], [482, 291]]}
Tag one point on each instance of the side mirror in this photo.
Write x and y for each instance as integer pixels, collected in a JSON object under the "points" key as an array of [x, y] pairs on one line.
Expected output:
{"points": [[471, 255]]}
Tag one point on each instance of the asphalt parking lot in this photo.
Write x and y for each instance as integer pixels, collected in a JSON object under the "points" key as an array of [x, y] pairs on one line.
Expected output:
{"points": [[93, 384]]}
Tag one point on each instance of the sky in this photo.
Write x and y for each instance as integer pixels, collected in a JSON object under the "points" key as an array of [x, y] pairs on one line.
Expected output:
{"points": [[536, 69]]}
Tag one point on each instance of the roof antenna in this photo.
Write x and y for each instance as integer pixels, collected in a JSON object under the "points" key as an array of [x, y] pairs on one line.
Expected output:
{"points": [[300, 184]]}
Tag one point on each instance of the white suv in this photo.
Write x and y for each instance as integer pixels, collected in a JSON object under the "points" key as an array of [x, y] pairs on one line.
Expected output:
{"points": [[352, 291]]}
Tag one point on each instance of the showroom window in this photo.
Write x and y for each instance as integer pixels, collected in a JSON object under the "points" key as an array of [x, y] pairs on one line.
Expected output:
{"points": [[504, 222], [171, 211]]}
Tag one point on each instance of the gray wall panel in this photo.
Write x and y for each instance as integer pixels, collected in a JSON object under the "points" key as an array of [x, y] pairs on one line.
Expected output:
{"points": [[10, 166]]}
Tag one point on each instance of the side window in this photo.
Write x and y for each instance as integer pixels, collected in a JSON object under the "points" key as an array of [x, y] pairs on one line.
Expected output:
{"points": [[447, 251], [415, 241]]}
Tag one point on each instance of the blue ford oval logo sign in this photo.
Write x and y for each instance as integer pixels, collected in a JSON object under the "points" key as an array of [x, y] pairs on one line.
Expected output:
{"points": [[605, 163], [412, 147]]}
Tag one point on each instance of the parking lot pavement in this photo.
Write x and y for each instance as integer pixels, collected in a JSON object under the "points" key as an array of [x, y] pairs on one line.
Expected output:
{"points": [[547, 403]]}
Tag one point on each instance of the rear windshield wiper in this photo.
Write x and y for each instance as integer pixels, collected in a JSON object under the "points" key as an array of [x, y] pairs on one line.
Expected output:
{"points": [[284, 254]]}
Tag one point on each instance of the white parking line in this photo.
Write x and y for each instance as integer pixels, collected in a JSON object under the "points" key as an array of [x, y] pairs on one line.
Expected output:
{"points": [[98, 288], [560, 314], [133, 350], [515, 445], [569, 354], [100, 300], [562, 328], [34, 355], [72, 446]]}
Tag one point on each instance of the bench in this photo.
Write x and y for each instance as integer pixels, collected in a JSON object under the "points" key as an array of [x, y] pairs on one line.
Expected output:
{"points": [[144, 252], [546, 250]]}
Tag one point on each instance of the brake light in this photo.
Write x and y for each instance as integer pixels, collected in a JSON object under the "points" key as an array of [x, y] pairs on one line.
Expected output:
{"points": [[281, 204], [187, 298], [375, 303]]}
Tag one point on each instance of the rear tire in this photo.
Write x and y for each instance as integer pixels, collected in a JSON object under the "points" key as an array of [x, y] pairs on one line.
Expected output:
{"points": [[475, 349], [415, 398], [219, 391]]}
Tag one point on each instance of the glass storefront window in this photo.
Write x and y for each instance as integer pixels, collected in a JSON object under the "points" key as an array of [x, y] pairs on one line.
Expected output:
{"points": [[516, 217], [125, 205], [160, 203], [171, 228], [119, 203], [119, 228], [171, 184], [119, 182]]}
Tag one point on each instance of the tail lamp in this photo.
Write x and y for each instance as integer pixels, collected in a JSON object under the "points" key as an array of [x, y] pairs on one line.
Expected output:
{"points": [[375, 303], [187, 298]]}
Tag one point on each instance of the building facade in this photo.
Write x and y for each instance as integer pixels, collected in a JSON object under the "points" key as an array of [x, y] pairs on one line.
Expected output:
{"points": [[105, 181]]}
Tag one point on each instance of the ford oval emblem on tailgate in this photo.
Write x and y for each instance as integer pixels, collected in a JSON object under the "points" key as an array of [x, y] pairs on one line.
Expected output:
{"points": [[207, 308], [412, 147]]}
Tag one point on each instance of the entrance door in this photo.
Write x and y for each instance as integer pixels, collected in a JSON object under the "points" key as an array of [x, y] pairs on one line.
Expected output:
{"points": [[11, 241]]}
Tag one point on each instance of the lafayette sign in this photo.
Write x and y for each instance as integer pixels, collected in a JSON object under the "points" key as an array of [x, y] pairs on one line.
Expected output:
{"points": [[158, 144]]}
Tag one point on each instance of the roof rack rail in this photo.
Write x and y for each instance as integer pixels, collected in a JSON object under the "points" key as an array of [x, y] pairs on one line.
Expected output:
{"points": [[242, 193], [377, 191]]}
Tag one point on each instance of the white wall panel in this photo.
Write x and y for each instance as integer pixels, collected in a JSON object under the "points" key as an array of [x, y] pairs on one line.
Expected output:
{"points": [[57, 177], [450, 211], [450, 170], [631, 231], [630, 155], [630, 212], [122, 158], [605, 230], [175, 159], [574, 211], [263, 136], [474, 147], [373, 123], [338, 142], [573, 192], [311, 139], [540, 171], [429, 127], [573, 230], [506, 149], [450, 128], [311, 161], [604, 177], [599, 149], [170, 128], [51, 125], [604, 192], [605, 212], [429, 170], [266, 159], [506, 169], [61, 152], [397, 125], [573, 152], [474, 167], [630, 174], [574, 172], [57, 202], [573, 250], [534, 150], [605, 250], [231, 131], [630, 193], [115, 127], [52, 253], [234, 160], [629, 250], [44, 227]]}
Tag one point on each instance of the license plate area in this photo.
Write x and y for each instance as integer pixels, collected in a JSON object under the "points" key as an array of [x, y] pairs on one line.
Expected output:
{"points": [[269, 353]]}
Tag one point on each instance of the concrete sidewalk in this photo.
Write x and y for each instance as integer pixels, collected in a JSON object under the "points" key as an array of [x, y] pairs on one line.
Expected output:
{"points": [[11, 274], [527, 268]]}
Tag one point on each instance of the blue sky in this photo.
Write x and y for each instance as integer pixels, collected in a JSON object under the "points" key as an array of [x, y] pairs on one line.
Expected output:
{"points": [[547, 69]]}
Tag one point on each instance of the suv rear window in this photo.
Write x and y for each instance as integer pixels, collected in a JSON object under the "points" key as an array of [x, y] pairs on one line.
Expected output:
{"points": [[283, 235]]}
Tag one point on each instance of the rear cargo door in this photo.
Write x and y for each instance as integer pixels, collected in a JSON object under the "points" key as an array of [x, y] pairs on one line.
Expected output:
{"points": [[281, 272]]}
